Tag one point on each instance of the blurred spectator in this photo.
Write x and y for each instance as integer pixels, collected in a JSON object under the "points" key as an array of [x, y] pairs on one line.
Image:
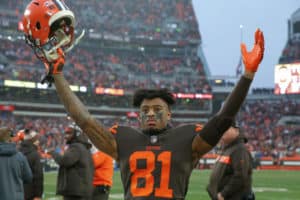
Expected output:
{"points": [[75, 174], [29, 147], [14, 168], [103, 174], [231, 177]]}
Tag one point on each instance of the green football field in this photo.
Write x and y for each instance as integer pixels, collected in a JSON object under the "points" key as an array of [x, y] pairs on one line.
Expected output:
{"points": [[268, 185]]}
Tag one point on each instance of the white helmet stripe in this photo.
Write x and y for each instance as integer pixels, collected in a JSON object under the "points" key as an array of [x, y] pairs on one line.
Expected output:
{"points": [[61, 5], [61, 14]]}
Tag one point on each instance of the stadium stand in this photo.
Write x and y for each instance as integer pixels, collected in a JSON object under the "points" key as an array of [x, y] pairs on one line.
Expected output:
{"points": [[291, 51], [129, 44]]}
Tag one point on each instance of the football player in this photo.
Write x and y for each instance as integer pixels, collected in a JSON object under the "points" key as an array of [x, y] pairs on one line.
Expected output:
{"points": [[156, 160]]}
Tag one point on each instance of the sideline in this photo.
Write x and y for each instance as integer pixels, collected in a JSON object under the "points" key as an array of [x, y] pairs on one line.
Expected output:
{"points": [[118, 196]]}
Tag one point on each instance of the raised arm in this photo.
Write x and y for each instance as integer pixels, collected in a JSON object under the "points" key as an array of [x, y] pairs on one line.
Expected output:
{"points": [[49, 30], [218, 124], [96, 132]]}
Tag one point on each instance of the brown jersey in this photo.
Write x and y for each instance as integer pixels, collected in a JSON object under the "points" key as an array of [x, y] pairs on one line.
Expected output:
{"points": [[158, 166]]}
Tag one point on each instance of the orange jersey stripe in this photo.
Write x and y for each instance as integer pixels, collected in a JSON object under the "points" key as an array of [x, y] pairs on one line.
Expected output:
{"points": [[113, 129], [198, 127], [224, 159]]}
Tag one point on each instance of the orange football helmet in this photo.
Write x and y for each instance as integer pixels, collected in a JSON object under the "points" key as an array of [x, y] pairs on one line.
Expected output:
{"points": [[48, 25]]}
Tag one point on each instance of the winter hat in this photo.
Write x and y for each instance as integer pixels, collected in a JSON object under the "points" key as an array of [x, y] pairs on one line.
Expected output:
{"points": [[5, 134]]}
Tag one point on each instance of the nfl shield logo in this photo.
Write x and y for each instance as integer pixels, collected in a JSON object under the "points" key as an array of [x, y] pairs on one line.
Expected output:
{"points": [[153, 139]]}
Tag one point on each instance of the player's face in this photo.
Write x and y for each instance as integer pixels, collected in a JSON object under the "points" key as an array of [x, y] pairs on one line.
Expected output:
{"points": [[154, 114]]}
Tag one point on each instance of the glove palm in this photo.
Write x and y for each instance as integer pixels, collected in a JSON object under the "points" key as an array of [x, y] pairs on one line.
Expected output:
{"points": [[253, 58]]}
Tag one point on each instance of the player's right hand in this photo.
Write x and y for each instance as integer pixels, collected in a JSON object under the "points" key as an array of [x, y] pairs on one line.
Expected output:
{"points": [[253, 58], [55, 66]]}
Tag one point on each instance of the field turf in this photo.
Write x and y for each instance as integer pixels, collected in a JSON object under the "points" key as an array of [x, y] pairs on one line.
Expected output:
{"points": [[268, 185]]}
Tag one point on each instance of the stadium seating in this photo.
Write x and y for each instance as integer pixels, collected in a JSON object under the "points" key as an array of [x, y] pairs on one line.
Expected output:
{"points": [[131, 44]]}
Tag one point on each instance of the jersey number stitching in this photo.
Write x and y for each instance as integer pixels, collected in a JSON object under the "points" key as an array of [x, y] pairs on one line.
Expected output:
{"points": [[146, 173]]}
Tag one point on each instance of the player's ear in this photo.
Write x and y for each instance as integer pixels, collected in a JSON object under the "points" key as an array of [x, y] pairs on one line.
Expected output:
{"points": [[169, 115]]}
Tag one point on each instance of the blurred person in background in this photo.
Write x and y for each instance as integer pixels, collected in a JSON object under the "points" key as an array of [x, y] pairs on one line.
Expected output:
{"points": [[231, 177], [14, 168], [19, 137], [29, 147], [103, 174], [75, 174]]}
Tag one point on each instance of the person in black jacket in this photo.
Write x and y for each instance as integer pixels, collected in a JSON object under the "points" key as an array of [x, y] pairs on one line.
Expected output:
{"points": [[231, 177], [29, 147], [75, 175]]}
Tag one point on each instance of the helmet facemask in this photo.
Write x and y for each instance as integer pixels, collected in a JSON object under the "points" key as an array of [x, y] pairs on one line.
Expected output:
{"points": [[61, 36]]}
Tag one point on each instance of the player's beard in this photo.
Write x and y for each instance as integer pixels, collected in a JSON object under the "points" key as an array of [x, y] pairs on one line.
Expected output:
{"points": [[156, 131], [153, 131]]}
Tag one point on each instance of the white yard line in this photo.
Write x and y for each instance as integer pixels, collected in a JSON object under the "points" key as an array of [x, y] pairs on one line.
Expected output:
{"points": [[269, 189]]}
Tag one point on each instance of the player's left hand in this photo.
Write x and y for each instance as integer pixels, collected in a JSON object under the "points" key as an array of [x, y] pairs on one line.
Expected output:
{"points": [[253, 58]]}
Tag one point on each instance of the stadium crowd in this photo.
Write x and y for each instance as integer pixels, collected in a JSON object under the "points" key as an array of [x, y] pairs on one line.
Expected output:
{"points": [[152, 19], [258, 120], [266, 136], [121, 58], [291, 52], [96, 68], [115, 67]]}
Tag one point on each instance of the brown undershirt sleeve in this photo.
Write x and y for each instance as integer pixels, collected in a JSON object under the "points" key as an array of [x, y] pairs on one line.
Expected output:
{"points": [[216, 126]]}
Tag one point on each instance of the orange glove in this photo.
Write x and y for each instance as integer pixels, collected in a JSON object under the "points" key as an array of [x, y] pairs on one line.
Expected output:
{"points": [[252, 59], [56, 66], [53, 67]]}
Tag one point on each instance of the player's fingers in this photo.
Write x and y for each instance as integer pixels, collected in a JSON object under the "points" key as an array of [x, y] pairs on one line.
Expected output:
{"points": [[261, 40], [256, 36], [243, 49]]}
